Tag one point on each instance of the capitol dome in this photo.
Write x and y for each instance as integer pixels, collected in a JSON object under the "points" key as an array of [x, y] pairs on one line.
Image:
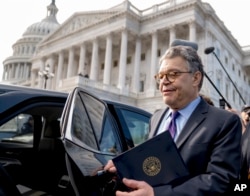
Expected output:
{"points": [[47, 25], [25, 47]]}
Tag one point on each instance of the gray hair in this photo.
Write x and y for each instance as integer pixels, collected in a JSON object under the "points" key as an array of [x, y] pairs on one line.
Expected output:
{"points": [[190, 55]]}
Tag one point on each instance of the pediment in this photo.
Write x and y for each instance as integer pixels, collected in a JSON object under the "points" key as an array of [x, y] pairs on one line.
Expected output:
{"points": [[81, 20]]}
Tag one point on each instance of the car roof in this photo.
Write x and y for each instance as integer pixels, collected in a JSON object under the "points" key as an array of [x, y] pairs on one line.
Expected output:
{"points": [[12, 95], [6, 88], [16, 94]]}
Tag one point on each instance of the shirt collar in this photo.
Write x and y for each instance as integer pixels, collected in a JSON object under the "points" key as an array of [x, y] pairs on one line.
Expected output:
{"points": [[188, 110]]}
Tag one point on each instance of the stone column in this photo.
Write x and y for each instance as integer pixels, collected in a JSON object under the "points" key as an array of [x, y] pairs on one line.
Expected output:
{"points": [[94, 61], [41, 78], [123, 61], [28, 70], [172, 34], [153, 60], [136, 76], [12, 71], [50, 83], [59, 67], [17, 71], [108, 60], [192, 31], [33, 77], [3, 73], [25, 71], [70, 62], [81, 67], [8, 71]]}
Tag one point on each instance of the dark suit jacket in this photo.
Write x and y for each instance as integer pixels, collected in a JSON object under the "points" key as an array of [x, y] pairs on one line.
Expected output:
{"points": [[245, 163], [210, 145]]}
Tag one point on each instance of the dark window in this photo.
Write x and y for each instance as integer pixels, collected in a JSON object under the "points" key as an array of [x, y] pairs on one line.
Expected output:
{"points": [[141, 86], [107, 140], [115, 63], [18, 129], [81, 127], [129, 60], [135, 126], [91, 125], [143, 57], [159, 52]]}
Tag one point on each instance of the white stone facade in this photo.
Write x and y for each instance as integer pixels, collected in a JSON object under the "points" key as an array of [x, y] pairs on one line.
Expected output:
{"points": [[114, 53]]}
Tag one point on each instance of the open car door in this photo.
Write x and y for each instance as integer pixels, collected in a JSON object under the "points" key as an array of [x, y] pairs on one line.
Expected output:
{"points": [[93, 132]]}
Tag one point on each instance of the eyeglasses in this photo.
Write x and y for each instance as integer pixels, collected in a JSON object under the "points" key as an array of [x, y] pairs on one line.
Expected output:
{"points": [[170, 76]]}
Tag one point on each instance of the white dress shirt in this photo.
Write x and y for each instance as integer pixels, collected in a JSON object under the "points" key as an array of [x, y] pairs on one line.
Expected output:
{"points": [[185, 113]]}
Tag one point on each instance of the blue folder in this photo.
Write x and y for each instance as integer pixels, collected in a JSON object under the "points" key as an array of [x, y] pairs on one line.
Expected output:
{"points": [[156, 161]]}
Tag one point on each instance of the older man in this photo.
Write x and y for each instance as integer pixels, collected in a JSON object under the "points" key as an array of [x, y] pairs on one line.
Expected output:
{"points": [[208, 138]]}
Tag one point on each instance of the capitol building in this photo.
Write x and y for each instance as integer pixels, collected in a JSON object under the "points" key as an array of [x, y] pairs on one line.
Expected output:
{"points": [[114, 53]]}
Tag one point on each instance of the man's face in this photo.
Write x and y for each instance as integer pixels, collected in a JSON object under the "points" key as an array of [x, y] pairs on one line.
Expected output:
{"points": [[184, 88]]}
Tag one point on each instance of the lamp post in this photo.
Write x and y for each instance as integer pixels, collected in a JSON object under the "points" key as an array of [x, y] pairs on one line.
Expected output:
{"points": [[46, 74]]}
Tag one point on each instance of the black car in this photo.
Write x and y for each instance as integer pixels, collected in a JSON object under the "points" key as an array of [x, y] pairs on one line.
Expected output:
{"points": [[56, 143]]}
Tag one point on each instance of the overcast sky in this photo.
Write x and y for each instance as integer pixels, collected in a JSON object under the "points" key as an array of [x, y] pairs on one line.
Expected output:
{"points": [[17, 15]]}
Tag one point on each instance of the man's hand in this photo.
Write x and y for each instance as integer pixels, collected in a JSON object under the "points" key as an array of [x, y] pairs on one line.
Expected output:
{"points": [[110, 167], [138, 188]]}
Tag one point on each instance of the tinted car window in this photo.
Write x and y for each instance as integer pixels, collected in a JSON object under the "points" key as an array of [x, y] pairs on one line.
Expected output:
{"points": [[28, 127], [95, 110], [137, 125], [107, 140], [10, 128], [134, 124], [18, 129], [81, 128], [90, 125]]}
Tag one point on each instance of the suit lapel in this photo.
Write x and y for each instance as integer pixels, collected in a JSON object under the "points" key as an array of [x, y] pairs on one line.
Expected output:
{"points": [[156, 121], [198, 116]]}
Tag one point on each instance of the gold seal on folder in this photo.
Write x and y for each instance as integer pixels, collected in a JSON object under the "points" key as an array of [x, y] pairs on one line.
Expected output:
{"points": [[151, 166]]}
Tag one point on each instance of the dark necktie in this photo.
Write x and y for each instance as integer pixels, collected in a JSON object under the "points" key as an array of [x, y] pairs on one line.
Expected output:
{"points": [[172, 125]]}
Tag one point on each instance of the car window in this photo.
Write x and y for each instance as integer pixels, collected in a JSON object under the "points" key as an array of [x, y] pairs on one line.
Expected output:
{"points": [[18, 129], [137, 124], [29, 126], [81, 128], [90, 124], [107, 140], [101, 123]]}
